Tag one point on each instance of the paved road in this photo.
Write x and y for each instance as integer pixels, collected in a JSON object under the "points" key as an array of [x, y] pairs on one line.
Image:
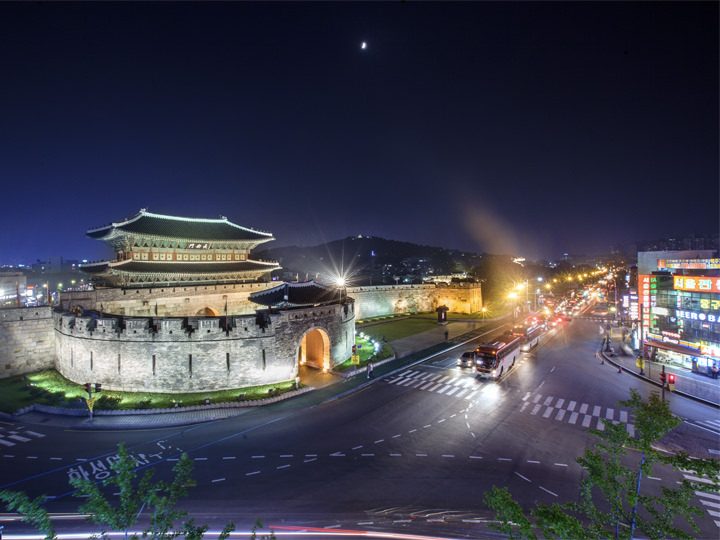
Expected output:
{"points": [[412, 446]]}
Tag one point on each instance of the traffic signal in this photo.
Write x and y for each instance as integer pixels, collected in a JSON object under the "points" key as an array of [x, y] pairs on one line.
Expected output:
{"points": [[662, 377], [86, 387], [671, 378], [354, 349], [98, 387]]}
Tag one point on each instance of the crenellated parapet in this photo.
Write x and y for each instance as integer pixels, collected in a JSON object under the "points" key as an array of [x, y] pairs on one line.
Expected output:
{"points": [[195, 354]]}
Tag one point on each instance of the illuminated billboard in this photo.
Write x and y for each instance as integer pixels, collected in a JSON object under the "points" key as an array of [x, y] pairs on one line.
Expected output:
{"points": [[697, 283]]}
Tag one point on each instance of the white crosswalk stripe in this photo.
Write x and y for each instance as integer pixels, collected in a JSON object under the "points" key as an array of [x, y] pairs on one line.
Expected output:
{"points": [[712, 424], [462, 386], [586, 415], [12, 437], [709, 501]]}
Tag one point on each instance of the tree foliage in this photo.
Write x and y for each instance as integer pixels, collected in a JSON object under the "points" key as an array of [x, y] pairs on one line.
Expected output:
{"points": [[156, 501], [612, 503], [31, 511]]}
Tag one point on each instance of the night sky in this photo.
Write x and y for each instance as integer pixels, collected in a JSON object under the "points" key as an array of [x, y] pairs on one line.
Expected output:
{"points": [[518, 128]]}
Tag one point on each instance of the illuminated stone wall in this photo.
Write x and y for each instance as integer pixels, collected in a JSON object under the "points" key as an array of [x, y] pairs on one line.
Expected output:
{"points": [[392, 299], [210, 300], [27, 340], [31, 340], [200, 300], [195, 354]]}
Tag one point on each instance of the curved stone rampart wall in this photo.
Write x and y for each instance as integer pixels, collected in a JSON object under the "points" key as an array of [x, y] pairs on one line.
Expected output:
{"points": [[117, 350], [195, 354], [27, 340], [377, 301], [170, 301]]}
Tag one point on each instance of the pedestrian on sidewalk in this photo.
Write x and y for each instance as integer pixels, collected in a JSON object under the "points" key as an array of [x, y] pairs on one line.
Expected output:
{"points": [[715, 370], [370, 370]]}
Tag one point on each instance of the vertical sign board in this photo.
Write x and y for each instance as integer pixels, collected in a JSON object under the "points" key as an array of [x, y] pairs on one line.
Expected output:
{"points": [[653, 300], [644, 300]]}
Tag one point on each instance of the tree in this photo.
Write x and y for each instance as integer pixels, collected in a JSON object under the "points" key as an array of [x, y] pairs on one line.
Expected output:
{"points": [[31, 511], [156, 499], [159, 499], [623, 507], [258, 525]]}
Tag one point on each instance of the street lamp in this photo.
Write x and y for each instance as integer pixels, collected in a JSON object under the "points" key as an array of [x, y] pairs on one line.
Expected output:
{"points": [[513, 296], [340, 282]]}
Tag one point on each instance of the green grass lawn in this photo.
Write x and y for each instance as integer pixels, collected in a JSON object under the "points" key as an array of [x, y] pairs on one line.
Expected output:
{"points": [[51, 388], [409, 326], [366, 351], [399, 329]]}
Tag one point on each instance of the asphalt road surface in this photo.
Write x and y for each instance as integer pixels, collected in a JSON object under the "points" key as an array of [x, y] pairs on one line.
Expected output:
{"points": [[410, 451]]}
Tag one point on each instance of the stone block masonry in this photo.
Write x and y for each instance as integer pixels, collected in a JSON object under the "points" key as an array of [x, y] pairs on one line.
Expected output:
{"points": [[178, 301], [384, 300], [196, 354], [185, 349], [27, 340]]}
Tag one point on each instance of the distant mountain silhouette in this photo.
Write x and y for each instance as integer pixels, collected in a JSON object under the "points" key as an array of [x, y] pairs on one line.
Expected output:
{"points": [[368, 256]]}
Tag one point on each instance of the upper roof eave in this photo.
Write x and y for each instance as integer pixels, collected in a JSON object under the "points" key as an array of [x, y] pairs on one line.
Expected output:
{"points": [[199, 229]]}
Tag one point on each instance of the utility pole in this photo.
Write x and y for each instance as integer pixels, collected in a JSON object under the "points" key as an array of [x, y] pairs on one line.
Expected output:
{"points": [[663, 378]]}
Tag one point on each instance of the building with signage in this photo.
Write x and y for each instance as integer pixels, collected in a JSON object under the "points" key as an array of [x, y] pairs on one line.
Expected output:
{"points": [[679, 308], [153, 250]]}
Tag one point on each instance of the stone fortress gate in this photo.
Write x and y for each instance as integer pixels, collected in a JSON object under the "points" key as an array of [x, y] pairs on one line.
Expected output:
{"points": [[183, 308]]}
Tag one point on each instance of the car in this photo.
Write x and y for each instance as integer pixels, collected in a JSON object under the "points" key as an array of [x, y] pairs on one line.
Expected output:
{"points": [[467, 359]]}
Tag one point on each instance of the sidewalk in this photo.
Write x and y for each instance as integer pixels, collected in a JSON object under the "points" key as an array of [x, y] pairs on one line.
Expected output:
{"points": [[456, 330], [406, 351], [687, 383]]}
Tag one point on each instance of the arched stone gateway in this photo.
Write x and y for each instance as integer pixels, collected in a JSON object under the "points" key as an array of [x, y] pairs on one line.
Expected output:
{"points": [[199, 354], [315, 349], [207, 311]]}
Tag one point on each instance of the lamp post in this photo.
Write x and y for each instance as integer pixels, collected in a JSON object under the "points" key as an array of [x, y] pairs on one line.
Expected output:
{"points": [[513, 296], [343, 289]]}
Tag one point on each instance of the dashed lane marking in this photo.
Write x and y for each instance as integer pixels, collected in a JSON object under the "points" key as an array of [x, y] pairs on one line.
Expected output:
{"points": [[523, 477]]}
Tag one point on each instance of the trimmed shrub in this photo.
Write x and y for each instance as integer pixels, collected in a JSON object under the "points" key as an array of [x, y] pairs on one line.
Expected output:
{"points": [[108, 402]]}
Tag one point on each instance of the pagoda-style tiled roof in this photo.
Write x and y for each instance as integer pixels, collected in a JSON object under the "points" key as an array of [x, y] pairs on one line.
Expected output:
{"points": [[298, 295], [179, 267], [197, 229]]}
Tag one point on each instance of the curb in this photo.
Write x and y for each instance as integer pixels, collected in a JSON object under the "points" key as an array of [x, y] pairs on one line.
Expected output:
{"points": [[655, 383], [60, 411]]}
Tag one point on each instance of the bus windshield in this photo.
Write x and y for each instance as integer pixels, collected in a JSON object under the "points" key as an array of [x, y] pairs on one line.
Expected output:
{"points": [[486, 360]]}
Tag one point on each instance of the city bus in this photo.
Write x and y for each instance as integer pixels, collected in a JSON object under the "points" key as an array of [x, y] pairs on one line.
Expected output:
{"points": [[495, 359], [529, 332]]}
